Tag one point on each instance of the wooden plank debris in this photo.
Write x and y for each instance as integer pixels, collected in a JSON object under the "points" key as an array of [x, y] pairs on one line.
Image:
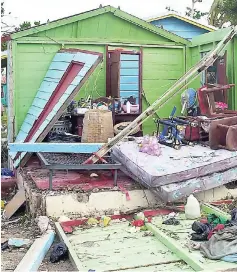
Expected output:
{"points": [[72, 254], [209, 209], [55, 147], [35, 255], [16, 202], [175, 248]]}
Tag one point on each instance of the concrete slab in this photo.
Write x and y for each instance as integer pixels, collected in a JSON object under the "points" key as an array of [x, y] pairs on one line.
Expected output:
{"points": [[96, 204]]}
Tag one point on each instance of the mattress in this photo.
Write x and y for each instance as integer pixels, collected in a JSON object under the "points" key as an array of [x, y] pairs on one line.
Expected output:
{"points": [[172, 165]]}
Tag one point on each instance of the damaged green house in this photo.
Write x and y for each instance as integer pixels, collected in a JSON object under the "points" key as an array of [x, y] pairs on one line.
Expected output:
{"points": [[146, 60], [158, 59]]}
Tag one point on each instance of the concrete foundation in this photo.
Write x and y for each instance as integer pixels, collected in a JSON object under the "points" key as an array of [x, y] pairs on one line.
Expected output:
{"points": [[84, 204]]}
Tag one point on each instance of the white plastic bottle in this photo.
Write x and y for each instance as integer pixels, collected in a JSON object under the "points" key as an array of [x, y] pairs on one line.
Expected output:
{"points": [[192, 208], [128, 107]]}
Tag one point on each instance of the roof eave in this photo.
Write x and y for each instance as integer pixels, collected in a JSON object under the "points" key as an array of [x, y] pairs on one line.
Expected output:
{"points": [[183, 19]]}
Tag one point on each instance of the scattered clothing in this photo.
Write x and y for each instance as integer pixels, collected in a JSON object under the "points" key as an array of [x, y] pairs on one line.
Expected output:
{"points": [[215, 220], [216, 229], [233, 221], [221, 244], [171, 221], [201, 231], [59, 252]]}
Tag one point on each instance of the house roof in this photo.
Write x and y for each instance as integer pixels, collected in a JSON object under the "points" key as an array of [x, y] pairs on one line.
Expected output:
{"points": [[88, 14], [183, 18]]}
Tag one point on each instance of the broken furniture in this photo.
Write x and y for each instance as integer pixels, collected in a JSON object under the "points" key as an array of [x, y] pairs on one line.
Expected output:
{"points": [[213, 100], [223, 133], [177, 131], [69, 161]]}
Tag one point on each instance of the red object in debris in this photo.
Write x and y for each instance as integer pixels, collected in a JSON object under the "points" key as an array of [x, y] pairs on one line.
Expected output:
{"points": [[138, 223], [218, 227], [149, 219]]}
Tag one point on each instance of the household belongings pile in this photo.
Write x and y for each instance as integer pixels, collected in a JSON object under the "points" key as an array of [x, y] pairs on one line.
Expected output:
{"points": [[220, 236]]}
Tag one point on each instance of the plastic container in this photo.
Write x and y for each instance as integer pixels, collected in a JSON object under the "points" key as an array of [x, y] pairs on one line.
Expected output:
{"points": [[128, 107], [192, 208]]}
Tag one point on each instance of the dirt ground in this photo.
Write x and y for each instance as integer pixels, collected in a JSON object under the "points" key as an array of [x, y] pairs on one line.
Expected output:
{"points": [[26, 229]]}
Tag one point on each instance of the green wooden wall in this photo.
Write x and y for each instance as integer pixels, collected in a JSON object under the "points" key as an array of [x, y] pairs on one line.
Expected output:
{"points": [[231, 51], [103, 27], [33, 55]]}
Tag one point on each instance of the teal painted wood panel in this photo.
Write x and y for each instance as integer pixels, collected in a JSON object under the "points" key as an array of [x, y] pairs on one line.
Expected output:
{"points": [[53, 80], [39, 102], [129, 87], [129, 72], [57, 74], [64, 57], [51, 147], [85, 58], [47, 89], [129, 79], [34, 110], [129, 57], [129, 64], [56, 65]]}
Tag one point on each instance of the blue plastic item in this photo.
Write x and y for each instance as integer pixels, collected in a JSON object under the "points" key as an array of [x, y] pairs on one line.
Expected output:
{"points": [[7, 172], [230, 258]]}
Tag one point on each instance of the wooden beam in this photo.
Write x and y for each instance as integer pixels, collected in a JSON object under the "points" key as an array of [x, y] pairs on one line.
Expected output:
{"points": [[54, 147], [35, 255], [96, 41], [209, 209], [10, 96], [72, 254], [177, 249]]}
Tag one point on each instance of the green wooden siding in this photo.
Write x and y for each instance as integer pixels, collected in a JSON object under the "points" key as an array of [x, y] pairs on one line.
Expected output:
{"points": [[231, 64], [161, 68], [105, 27]]}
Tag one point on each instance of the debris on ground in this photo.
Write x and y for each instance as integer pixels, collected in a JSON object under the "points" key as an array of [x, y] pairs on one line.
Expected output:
{"points": [[94, 175], [59, 252], [92, 222], [4, 244], [63, 218], [43, 223], [105, 221], [16, 202], [18, 242], [171, 221]]}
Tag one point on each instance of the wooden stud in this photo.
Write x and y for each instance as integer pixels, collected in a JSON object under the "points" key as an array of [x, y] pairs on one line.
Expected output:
{"points": [[72, 254], [209, 209], [175, 248]]}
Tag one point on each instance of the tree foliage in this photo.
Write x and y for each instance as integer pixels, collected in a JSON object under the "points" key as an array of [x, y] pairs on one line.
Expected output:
{"points": [[5, 28], [191, 11], [222, 12]]}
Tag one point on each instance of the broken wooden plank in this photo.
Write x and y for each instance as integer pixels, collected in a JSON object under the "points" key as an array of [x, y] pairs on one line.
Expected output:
{"points": [[55, 147], [72, 254], [209, 209], [16, 202], [35, 255], [175, 248]]}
